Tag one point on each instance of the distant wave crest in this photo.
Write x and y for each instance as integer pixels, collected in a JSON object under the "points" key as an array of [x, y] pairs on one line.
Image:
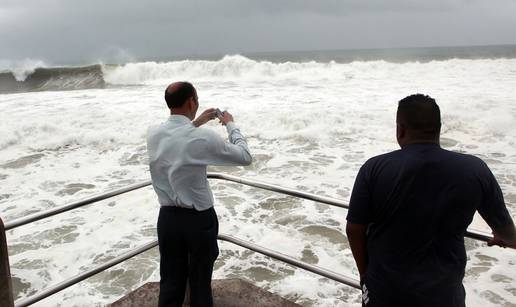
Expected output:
{"points": [[229, 67], [240, 68]]}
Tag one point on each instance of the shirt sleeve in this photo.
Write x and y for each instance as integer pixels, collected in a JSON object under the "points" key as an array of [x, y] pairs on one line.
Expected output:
{"points": [[493, 209], [216, 151], [360, 208]]}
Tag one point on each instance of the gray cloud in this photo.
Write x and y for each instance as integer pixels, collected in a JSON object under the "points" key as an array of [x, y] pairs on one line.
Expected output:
{"points": [[86, 31]]}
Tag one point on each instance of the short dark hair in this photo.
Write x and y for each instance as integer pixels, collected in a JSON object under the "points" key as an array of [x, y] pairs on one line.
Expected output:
{"points": [[178, 93], [421, 114]]}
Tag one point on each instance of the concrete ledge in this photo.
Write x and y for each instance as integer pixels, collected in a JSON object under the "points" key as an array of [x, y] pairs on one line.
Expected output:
{"points": [[226, 293]]}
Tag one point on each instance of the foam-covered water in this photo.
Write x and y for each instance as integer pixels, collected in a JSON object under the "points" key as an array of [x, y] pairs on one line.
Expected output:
{"points": [[309, 125]]}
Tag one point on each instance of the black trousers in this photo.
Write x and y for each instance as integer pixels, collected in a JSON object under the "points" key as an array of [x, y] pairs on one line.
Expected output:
{"points": [[409, 297], [188, 248]]}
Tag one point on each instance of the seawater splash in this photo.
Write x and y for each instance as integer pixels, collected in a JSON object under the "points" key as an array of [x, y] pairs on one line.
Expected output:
{"points": [[22, 68]]}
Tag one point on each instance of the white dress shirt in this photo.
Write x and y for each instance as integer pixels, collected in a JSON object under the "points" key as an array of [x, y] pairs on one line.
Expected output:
{"points": [[178, 155]]}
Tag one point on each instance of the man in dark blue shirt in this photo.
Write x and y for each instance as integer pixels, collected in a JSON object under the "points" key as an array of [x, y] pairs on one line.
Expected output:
{"points": [[409, 211]]}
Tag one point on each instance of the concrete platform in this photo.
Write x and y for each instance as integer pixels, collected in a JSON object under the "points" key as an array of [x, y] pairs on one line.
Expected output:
{"points": [[226, 293]]}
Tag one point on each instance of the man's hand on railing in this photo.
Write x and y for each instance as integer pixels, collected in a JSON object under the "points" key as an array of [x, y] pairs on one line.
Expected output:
{"points": [[500, 243], [504, 237]]}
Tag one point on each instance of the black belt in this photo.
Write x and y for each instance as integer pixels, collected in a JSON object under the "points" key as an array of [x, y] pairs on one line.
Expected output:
{"points": [[177, 208], [184, 209]]}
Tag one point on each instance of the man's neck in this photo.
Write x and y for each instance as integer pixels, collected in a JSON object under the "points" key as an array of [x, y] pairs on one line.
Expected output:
{"points": [[180, 112], [420, 141]]}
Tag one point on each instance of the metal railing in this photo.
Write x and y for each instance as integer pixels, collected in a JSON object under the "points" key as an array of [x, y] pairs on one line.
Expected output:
{"points": [[474, 234], [134, 252], [471, 233]]}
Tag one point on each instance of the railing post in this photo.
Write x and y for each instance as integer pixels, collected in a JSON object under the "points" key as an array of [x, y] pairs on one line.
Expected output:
{"points": [[6, 288]]}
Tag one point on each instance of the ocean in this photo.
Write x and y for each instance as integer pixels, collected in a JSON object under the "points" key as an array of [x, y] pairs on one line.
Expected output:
{"points": [[311, 118]]}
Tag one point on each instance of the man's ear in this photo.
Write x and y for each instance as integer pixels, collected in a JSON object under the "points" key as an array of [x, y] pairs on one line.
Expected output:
{"points": [[400, 132], [191, 104]]}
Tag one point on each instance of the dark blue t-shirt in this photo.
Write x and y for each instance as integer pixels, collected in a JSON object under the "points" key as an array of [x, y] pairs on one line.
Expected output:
{"points": [[418, 203]]}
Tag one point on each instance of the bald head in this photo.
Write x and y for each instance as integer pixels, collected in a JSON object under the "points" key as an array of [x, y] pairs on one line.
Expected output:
{"points": [[177, 94], [419, 117]]}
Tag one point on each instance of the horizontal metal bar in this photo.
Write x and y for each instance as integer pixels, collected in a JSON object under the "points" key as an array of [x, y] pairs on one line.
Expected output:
{"points": [[275, 188], [471, 233], [251, 246], [78, 278], [478, 235], [48, 213], [297, 263], [254, 183]]}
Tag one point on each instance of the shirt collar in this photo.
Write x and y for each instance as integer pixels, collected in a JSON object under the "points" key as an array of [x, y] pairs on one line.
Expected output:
{"points": [[179, 119]]}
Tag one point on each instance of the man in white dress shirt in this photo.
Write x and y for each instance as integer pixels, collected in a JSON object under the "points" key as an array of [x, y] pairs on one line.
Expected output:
{"points": [[179, 152]]}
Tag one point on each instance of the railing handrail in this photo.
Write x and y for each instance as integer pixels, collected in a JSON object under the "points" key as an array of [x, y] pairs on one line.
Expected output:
{"points": [[134, 252], [293, 261], [470, 233], [76, 204]]}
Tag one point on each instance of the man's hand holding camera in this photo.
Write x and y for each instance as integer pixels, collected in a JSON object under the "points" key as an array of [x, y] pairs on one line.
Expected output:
{"points": [[213, 113]]}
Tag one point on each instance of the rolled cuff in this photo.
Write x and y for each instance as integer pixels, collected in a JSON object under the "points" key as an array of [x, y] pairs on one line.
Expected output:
{"points": [[230, 127]]}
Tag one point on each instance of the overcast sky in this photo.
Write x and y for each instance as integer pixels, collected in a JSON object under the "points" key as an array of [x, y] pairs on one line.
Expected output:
{"points": [[61, 31]]}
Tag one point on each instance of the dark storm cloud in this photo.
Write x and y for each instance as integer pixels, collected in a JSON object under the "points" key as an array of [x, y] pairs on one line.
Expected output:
{"points": [[64, 31]]}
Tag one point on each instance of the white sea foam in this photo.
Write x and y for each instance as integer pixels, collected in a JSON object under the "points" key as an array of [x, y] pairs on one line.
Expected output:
{"points": [[310, 126], [235, 67], [240, 68]]}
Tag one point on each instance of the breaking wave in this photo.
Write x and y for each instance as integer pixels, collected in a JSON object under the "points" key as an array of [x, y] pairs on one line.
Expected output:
{"points": [[229, 68], [52, 79]]}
